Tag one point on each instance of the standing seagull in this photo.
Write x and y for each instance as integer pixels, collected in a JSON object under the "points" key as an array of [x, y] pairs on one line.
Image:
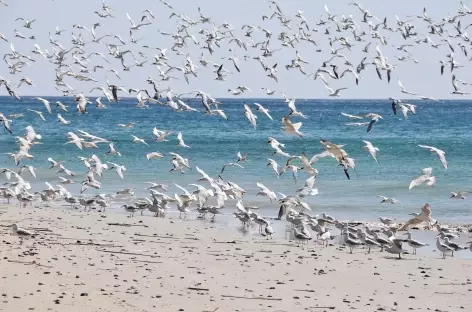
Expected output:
{"points": [[442, 247], [20, 232], [441, 154], [414, 243]]}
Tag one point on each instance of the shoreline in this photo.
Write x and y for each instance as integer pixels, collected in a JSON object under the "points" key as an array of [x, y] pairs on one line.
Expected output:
{"points": [[89, 262]]}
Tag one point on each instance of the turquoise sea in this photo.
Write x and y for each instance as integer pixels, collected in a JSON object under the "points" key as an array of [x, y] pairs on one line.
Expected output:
{"points": [[214, 142]]}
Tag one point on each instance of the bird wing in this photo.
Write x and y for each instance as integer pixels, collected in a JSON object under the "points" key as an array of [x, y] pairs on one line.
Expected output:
{"points": [[310, 182], [417, 181], [183, 189], [262, 187], [427, 171], [316, 157], [443, 160], [46, 103]]}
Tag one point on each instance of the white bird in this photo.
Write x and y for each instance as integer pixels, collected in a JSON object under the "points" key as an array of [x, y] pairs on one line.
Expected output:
{"points": [[61, 106], [371, 149], [396, 247], [350, 242], [423, 216], [152, 155], [138, 140], [264, 191], [46, 103], [74, 138], [442, 247], [426, 176], [250, 115], [292, 128], [112, 150], [352, 117], [263, 110], [62, 120], [181, 140], [459, 195], [301, 236], [334, 92], [373, 119], [441, 154], [118, 168], [388, 200], [274, 165], [22, 233], [40, 114], [414, 243], [403, 88]]}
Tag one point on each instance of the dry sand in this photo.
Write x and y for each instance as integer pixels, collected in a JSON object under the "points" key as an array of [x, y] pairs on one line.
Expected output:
{"points": [[82, 263]]}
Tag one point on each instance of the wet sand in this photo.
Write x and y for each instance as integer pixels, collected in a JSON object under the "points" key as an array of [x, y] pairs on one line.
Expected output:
{"points": [[108, 262]]}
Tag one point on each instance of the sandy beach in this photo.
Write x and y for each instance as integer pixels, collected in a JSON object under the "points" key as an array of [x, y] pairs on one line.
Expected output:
{"points": [[86, 262]]}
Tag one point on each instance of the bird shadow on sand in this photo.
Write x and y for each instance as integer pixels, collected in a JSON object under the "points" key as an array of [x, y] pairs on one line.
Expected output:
{"points": [[396, 258]]}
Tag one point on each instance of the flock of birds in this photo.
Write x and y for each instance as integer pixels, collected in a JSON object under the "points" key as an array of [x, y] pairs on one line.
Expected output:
{"points": [[78, 62]]}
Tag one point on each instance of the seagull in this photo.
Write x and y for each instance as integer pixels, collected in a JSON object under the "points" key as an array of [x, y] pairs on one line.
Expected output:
{"points": [[300, 236], [230, 165], [368, 241], [396, 247], [424, 177], [22, 233], [371, 149], [274, 166], [352, 117], [388, 200], [453, 245], [181, 140], [414, 243], [269, 231], [373, 119], [441, 154], [423, 216], [334, 92], [219, 73], [459, 195], [118, 168], [40, 114], [263, 110], [62, 120], [264, 191], [112, 150], [442, 247], [61, 106], [152, 155], [456, 89], [350, 242], [250, 115], [241, 158], [404, 90], [46, 104], [292, 128], [138, 140]]}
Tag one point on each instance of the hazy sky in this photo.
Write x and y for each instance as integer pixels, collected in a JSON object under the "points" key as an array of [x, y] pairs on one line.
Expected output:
{"points": [[423, 78]]}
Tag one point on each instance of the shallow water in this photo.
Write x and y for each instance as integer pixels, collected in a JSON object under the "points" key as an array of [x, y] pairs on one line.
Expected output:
{"points": [[215, 142]]}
